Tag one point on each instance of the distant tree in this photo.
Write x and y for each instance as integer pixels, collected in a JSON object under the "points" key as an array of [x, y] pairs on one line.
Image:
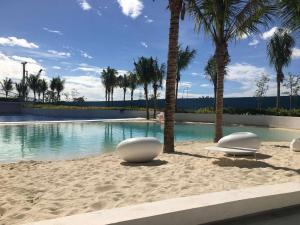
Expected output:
{"points": [[60, 85], [185, 57], [22, 89], [292, 83], [211, 73], [52, 95], [157, 81], [7, 86], [110, 81], [43, 88], [124, 84], [261, 88], [33, 83], [280, 49], [133, 83], [144, 69]]}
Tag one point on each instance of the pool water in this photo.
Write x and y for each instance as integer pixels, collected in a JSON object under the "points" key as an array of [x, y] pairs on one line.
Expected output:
{"points": [[71, 140]]}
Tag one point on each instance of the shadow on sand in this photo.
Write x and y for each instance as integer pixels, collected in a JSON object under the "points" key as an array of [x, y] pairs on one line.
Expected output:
{"points": [[156, 162]]}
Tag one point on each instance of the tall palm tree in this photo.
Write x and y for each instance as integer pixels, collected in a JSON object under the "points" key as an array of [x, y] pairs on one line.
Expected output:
{"points": [[33, 83], [105, 82], [144, 69], [124, 84], [289, 11], [157, 81], [279, 50], [177, 10], [59, 86], [225, 21], [22, 89], [211, 73], [110, 75], [43, 87], [185, 57], [7, 86], [133, 83]]}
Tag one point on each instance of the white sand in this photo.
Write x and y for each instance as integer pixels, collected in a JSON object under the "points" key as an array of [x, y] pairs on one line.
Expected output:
{"points": [[31, 191]]}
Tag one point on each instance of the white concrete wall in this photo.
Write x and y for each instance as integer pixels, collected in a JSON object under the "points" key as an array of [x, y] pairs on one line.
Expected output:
{"points": [[81, 113], [193, 210], [252, 120]]}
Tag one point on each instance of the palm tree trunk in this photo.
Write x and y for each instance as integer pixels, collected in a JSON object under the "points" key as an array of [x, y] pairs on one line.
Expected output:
{"points": [[278, 94], [155, 102], [43, 97], [215, 95], [175, 8], [221, 53], [124, 95], [34, 96], [147, 105], [290, 102], [131, 95], [6, 94], [177, 83]]}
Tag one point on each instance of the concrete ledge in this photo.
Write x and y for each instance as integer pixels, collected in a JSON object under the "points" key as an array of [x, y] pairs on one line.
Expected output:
{"points": [[250, 120], [192, 210]]}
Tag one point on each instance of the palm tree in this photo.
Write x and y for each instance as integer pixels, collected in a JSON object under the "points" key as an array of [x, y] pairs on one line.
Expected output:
{"points": [[111, 79], [185, 57], [177, 10], [105, 82], [144, 69], [289, 11], [52, 88], [7, 86], [124, 84], [225, 21], [43, 87], [59, 86], [157, 80], [133, 83], [211, 73], [33, 83], [22, 89], [279, 50]]}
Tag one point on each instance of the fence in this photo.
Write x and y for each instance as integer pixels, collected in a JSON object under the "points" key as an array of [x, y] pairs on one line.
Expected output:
{"points": [[196, 103]]}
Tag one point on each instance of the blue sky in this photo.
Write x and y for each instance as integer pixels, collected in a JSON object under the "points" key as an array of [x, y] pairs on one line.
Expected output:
{"points": [[76, 39]]}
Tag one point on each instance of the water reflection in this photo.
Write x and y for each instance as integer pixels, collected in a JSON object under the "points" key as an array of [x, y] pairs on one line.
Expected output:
{"points": [[69, 140]]}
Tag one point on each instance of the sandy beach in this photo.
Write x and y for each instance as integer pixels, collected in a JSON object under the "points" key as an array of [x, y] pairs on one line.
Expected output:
{"points": [[32, 191]]}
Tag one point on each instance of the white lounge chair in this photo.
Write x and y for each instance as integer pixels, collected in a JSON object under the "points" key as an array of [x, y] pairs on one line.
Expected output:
{"points": [[237, 144], [136, 150]]}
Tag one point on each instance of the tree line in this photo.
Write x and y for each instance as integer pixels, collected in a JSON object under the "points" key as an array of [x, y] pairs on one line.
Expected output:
{"points": [[42, 91]]}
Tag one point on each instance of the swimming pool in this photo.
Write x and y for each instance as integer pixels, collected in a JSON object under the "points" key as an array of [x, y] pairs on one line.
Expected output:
{"points": [[71, 140]]}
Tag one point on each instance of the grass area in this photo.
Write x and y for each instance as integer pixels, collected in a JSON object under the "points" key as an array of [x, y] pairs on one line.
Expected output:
{"points": [[208, 110], [67, 107], [269, 111]]}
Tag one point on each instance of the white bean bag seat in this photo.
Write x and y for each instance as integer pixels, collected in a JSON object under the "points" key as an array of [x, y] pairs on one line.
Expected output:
{"points": [[240, 143], [137, 150], [295, 145]]}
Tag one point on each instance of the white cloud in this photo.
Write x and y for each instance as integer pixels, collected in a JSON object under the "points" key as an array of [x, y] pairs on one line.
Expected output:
{"points": [[144, 44], [246, 75], [184, 85], [148, 20], [132, 8], [60, 54], [14, 41], [53, 31], [254, 42], [56, 67], [268, 34], [84, 5], [11, 67], [85, 55], [204, 85], [296, 53], [194, 74], [24, 59]]}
